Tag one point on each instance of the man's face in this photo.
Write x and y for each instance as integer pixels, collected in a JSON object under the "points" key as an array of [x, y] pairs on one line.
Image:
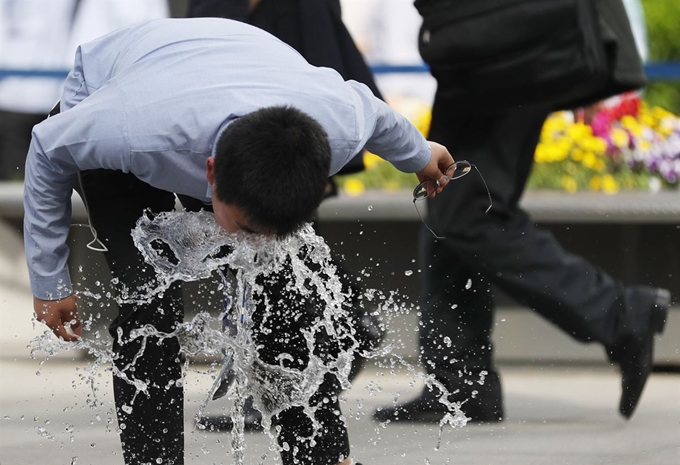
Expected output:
{"points": [[230, 217]]}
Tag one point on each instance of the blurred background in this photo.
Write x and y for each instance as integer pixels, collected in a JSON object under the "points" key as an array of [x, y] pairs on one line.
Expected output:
{"points": [[608, 190]]}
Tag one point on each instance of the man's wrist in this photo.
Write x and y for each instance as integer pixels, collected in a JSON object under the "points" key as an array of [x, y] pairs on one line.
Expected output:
{"points": [[55, 287]]}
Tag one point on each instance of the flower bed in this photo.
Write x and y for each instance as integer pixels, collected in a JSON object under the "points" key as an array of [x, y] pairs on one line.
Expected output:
{"points": [[627, 145]]}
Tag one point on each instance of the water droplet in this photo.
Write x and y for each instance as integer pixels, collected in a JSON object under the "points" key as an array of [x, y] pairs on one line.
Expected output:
{"points": [[468, 285], [370, 208], [408, 272]]}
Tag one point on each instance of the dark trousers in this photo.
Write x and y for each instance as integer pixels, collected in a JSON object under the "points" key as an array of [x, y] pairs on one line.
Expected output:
{"points": [[153, 426], [503, 248]]}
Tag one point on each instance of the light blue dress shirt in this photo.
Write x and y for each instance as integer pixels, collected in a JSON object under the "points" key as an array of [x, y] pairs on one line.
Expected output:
{"points": [[151, 99]]}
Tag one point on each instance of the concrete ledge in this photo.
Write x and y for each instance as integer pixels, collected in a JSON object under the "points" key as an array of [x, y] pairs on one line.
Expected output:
{"points": [[544, 206]]}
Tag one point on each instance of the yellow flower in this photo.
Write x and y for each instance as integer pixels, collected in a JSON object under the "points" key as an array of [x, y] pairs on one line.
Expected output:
{"points": [[550, 153], [620, 137], [579, 130], [354, 187], [595, 183], [577, 154], [589, 160], [540, 156], [553, 153], [609, 184], [632, 124], [660, 114], [371, 160], [561, 120], [644, 145], [646, 119], [422, 122], [569, 184], [597, 145], [561, 149], [592, 144]]}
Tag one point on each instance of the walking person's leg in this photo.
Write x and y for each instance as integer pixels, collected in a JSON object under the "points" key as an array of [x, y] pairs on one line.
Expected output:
{"points": [[529, 264], [457, 304]]}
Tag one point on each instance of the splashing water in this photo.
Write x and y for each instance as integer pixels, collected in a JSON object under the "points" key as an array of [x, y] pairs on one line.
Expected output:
{"points": [[183, 246], [250, 265]]}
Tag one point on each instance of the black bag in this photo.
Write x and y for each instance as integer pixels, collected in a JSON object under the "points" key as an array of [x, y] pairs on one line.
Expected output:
{"points": [[494, 54]]}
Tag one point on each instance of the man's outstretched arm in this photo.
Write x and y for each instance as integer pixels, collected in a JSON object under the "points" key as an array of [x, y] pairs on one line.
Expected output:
{"points": [[393, 137]]}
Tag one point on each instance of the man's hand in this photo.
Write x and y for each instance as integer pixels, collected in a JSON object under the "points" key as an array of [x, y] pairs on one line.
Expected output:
{"points": [[440, 159], [58, 314]]}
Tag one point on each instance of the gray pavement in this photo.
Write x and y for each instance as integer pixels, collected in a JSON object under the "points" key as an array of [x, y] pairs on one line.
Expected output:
{"points": [[559, 415]]}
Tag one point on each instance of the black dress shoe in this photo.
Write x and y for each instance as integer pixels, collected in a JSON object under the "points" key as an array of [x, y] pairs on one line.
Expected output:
{"points": [[252, 420], [634, 352], [485, 407]]}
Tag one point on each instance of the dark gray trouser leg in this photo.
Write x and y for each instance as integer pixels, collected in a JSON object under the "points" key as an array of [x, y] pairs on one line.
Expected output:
{"points": [[503, 247], [154, 426]]}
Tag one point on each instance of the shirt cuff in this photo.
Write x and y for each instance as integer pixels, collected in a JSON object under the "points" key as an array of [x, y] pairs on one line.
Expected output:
{"points": [[52, 287], [418, 161]]}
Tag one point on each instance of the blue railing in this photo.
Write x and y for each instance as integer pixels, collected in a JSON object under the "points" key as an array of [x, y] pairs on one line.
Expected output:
{"points": [[661, 71]]}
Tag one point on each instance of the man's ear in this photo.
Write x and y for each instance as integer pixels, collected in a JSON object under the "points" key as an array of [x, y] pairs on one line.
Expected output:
{"points": [[210, 170]]}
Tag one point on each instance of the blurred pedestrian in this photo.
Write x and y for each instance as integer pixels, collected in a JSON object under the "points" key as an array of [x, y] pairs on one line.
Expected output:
{"points": [[501, 68], [42, 36]]}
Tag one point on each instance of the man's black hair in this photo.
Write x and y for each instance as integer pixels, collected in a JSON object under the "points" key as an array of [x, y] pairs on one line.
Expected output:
{"points": [[273, 164]]}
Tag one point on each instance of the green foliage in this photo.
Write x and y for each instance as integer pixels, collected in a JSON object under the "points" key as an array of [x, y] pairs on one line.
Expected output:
{"points": [[663, 94], [663, 29], [663, 32]]}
